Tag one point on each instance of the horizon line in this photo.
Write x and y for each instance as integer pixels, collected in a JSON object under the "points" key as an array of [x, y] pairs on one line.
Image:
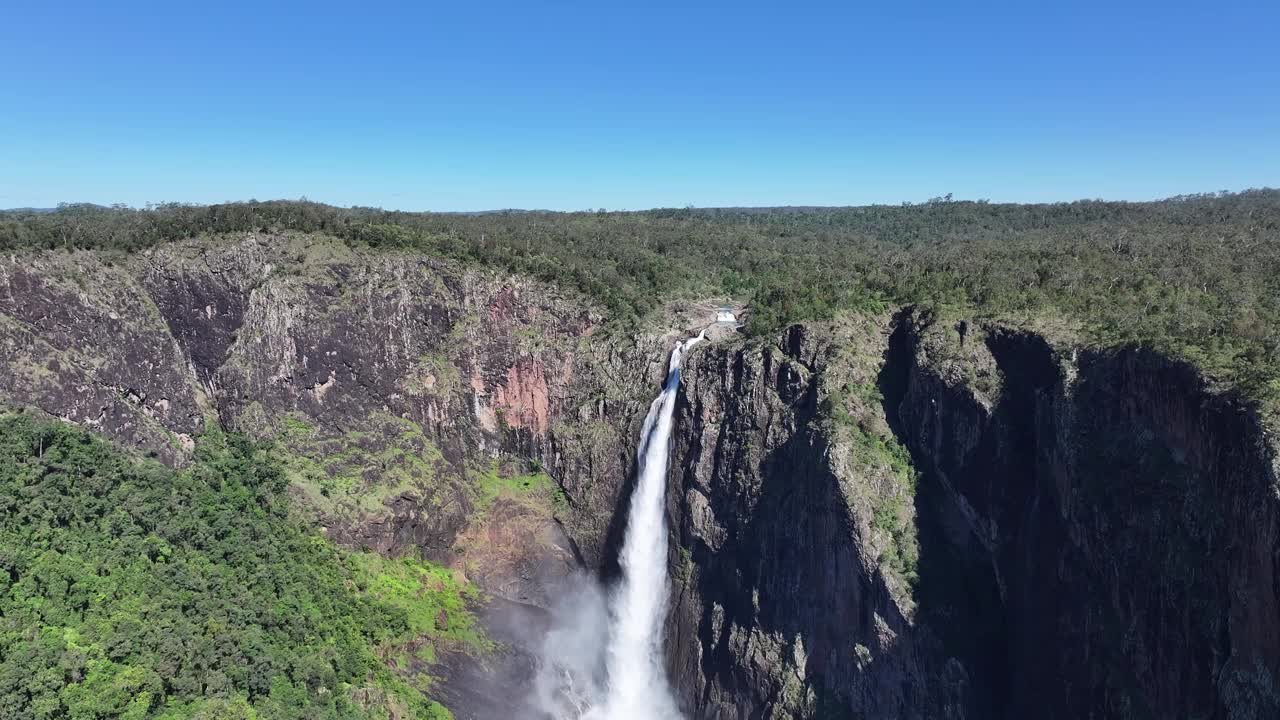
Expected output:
{"points": [[938, 200]]}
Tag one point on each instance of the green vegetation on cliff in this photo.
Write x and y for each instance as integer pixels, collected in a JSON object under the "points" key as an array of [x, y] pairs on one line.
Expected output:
{"points": [[359, 470], [877, 455], [131, 590], [1196, 276], [492, 483]]}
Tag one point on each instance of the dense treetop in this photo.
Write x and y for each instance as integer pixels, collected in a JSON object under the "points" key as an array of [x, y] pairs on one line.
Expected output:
{"points": [[131, 590], [1198, 276]]}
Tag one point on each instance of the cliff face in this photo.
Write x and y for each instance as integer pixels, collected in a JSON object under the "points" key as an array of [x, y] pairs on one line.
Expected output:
{"points": [[877, 517], [1096, 531], [83, 341], [1103, 521], [785, 604], [403, 389]]}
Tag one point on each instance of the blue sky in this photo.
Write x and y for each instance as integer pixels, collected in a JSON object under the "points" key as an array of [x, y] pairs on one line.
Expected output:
{"points": [[472, 105]]}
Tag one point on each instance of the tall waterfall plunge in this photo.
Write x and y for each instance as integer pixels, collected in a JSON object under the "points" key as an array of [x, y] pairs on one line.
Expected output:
{"points": [[637, 684], [634, 685]]}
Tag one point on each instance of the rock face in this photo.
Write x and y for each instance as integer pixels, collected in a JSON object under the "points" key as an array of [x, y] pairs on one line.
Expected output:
{"points": [[1104, 523], [83, 341], [400, 385], [1097, 532], [880, 517], [783, 607]]}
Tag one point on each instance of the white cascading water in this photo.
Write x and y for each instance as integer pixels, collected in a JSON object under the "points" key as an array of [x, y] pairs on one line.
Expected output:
{"points": [[637, 685], [602, 658]]}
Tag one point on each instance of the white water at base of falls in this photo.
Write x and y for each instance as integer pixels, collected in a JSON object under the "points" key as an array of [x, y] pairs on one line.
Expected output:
{"points": [[638, 688]]}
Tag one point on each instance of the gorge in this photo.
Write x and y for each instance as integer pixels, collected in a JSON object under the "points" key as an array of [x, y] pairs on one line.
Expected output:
{"points": [[903, 512]]}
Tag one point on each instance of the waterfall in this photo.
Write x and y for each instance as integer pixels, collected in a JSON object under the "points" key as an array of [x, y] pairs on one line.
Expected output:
{"points": [[634, 684], [638, 688]]}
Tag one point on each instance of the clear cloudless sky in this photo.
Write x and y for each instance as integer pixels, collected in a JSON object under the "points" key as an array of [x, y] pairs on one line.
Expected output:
{"points": [[564, 105]]}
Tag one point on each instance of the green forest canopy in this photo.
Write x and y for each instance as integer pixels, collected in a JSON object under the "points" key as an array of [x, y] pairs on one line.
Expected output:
{"points": [[1198, 276], [131, 590]]}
